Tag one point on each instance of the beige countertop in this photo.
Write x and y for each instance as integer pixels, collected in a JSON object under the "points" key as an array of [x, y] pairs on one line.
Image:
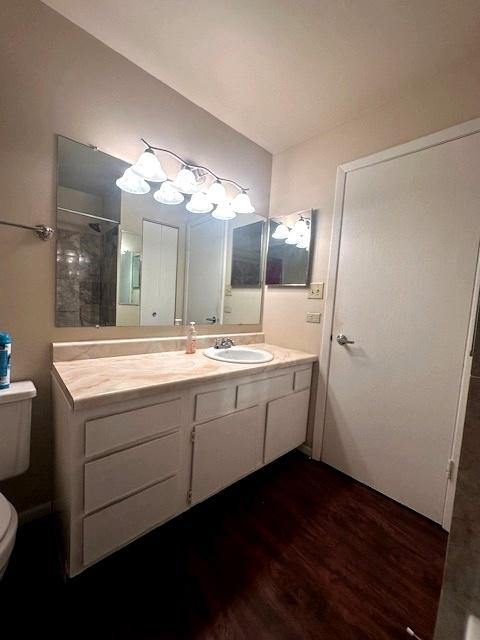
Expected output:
{"points": [[96, 382]]}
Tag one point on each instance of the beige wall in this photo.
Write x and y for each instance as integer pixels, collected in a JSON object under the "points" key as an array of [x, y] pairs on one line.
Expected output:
{"points": [[304, 176], [55, 78]]}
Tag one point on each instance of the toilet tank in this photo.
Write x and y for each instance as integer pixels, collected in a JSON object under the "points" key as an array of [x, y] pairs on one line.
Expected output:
{"points": [[15, 420]]}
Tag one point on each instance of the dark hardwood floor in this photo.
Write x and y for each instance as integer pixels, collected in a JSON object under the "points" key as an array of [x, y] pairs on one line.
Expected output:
{"points": [[296, 551]]}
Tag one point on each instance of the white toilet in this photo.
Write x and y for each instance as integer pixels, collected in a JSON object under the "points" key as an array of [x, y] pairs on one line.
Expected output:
{"points": [[15, 419]]}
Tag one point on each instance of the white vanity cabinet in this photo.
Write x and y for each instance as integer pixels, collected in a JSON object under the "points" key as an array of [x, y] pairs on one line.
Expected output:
{"points": [[125, 467]]}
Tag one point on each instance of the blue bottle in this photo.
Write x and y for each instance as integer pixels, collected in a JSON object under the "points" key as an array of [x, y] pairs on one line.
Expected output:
{"points": [[5, 359]]}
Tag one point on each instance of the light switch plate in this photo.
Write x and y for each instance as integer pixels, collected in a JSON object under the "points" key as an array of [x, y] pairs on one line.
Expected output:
{"points": [[314, 316], [315, 291]]}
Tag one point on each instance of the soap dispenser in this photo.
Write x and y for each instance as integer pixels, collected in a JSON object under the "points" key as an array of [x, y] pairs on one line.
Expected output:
{"points": [[191, 339]]}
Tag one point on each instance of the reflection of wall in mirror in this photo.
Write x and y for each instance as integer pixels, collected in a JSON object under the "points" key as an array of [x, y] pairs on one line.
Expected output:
{"points": [[136, 208]]}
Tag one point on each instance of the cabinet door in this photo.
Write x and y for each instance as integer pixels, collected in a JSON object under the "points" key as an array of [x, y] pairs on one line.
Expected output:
{"points": [[226, 449], [286, 424]]}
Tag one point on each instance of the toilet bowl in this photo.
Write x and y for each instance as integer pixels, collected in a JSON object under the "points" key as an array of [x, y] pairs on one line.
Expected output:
{"points": [[8, 532], [15, 417]]}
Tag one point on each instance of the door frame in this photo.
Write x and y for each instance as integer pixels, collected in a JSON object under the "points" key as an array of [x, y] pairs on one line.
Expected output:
{"points": [[440, 137]]}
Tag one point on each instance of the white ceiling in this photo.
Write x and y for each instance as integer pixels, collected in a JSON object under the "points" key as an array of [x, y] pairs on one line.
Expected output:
{"points": [[281, 71]]}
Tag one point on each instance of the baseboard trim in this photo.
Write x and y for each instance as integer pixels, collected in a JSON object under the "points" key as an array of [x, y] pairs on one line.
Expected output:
{"points": [[306, 449], [39, 511]]}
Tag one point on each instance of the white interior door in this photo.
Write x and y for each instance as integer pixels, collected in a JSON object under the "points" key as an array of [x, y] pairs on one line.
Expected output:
{"points": [[206, 271], [159, 274], [406, 273]]}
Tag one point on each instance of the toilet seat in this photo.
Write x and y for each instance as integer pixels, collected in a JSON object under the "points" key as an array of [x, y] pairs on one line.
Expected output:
{"points": [[5, 516]]}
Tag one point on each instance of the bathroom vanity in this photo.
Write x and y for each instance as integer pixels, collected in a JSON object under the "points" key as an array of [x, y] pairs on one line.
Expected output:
{"points": [[141, 438]]}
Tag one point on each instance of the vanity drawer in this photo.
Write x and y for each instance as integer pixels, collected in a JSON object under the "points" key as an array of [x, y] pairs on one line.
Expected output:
{"points": [[122, 429], [211, 404], [110, 528], [302, 379], [286, 424], [252, 393], [118, 474]]}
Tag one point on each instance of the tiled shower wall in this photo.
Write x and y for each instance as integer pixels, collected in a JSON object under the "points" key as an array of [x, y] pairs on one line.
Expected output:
{"points": [[461, 588], [86, 278]]}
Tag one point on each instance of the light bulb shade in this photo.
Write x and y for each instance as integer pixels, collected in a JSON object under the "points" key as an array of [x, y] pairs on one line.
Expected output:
{"points": [[216, 192], [241, 204], [132, 183], [149, 168], [304, 242], [186, 181], [167, 194], [300, 227], [224, 211], [293, 238], [199, 203], [281, 232]]}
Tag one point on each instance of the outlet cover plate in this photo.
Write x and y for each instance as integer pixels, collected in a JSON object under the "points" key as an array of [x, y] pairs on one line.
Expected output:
{"points": [[315, 291]]}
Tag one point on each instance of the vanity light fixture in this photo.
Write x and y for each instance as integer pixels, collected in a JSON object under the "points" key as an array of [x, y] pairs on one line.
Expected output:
{"points": [[224, 211], [189, 180], [293, 238], [148, 167]]}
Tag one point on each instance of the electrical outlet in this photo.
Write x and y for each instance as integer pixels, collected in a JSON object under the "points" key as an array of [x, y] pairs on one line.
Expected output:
{"points": [[228, 290], [315, 291], [314, 316]]}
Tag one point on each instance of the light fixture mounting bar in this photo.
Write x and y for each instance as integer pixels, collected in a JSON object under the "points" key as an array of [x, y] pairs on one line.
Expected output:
{"points": [[194, 166]]}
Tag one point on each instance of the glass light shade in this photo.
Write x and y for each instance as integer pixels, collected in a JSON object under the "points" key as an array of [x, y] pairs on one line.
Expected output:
{"points": [[304, 242], [300, 227], [293, 238], [186, 181], [216, 192], [224, 211], [242, 204], [167, 194], [281, 232], [149, 168], [199, 203], [132, 183]]}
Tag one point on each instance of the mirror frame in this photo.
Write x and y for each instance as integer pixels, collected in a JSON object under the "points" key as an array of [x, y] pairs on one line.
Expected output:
{"points": [[308, 273]]}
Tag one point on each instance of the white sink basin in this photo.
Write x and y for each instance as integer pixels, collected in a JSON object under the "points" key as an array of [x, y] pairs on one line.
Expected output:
{"points": [[239, 355]]}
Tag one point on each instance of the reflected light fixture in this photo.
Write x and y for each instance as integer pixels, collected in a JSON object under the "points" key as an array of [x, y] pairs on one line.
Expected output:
{"points": [[304, 242], [300, 227], [189, 180], [281, 232], [293, 238], [132, 183], [148, 167], [167, 194], [199, 203], [224, 211]]}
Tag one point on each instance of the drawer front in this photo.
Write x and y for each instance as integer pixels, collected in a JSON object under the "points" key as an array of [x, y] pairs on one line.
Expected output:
{"points": [[110, 528], [118, 474], [226, 449], [210, 404], [259, 391], [302, 379], [286, 424], [122, 429]]}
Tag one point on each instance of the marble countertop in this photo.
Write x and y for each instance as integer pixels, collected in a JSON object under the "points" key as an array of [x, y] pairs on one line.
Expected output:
{"points": [[97, 382]]}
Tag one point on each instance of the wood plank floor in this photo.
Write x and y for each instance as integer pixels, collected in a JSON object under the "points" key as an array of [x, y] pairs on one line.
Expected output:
{"points": [[297, 551]]}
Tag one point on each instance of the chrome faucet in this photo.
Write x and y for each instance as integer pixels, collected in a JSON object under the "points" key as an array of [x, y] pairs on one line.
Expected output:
{"points": [[223, 343]]}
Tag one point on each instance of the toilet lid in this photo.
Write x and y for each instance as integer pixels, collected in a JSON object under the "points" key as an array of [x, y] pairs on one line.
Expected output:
{"points": [[5, 516]]}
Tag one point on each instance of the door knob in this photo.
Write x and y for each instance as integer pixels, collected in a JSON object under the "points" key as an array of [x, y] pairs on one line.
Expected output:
{"points": [[343, 340]]}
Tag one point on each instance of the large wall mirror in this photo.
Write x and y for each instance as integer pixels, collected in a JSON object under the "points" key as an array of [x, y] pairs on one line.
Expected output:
{"points": [[290, 241], [127, 260]]}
